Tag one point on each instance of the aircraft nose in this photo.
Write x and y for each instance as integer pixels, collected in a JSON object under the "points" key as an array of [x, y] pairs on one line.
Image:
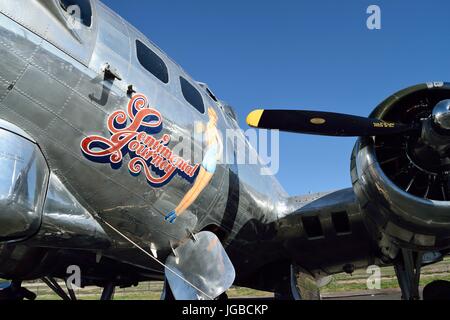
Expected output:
{"points": [[23, 180]]}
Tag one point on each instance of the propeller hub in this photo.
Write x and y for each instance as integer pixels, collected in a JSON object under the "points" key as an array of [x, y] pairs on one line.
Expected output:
{"points": [[435, 137], [441, 115]]}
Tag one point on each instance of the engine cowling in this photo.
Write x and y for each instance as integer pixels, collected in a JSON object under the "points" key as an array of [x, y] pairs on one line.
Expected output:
{"points": [[402, 182]]}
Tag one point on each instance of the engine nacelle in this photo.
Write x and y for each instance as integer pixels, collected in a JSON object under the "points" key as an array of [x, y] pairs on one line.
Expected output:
{"points": [[402, 181]]}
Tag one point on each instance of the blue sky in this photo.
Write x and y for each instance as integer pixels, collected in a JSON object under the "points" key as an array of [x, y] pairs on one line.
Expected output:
{"points": [[300, 54]]}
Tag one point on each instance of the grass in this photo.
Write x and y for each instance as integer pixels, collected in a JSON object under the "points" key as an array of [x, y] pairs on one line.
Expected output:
{"points": [[128, 294], [340, 283], [357, 281], [121, 296], [389, 283]]}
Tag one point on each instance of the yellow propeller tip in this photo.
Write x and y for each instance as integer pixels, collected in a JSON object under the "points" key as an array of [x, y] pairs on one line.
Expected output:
{"points": [[254, 118]]}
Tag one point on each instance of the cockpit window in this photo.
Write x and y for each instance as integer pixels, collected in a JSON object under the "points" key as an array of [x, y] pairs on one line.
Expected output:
{"points": [[81, 10], [152, 62], [212, 95], [192, 95]]}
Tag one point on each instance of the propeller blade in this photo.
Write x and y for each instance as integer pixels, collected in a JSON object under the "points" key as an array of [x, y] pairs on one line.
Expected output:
{"points": [[324, 123]]}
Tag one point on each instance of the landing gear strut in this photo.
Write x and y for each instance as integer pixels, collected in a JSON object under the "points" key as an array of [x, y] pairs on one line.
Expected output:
{"points": [[56, 288], [408, 271], [108, 291]]}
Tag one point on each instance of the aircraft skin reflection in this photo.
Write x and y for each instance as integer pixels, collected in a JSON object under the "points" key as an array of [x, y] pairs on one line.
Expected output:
{"points": [[207, 169], [110, 206]]}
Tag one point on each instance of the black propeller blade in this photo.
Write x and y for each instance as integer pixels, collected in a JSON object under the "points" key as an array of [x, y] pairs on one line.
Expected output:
{"points": [[324, 123]]}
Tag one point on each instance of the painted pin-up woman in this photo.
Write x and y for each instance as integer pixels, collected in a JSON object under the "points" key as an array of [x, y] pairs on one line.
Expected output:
{"points": [[207, 169]]}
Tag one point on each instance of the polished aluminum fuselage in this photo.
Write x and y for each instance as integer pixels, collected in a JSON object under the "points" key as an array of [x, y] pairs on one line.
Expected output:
{"points": [[53, 88]]}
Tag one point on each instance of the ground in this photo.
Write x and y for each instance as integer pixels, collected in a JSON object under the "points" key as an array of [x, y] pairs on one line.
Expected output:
{"points": [[342, 286]]}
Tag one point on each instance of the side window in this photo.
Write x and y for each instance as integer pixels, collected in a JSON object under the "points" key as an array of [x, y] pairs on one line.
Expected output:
{"points": [[152, 62], [80, 9], [192, 95]]}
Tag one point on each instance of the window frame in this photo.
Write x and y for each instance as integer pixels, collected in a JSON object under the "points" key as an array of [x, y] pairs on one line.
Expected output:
{"points": [[166, 67], [181, 79]]}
